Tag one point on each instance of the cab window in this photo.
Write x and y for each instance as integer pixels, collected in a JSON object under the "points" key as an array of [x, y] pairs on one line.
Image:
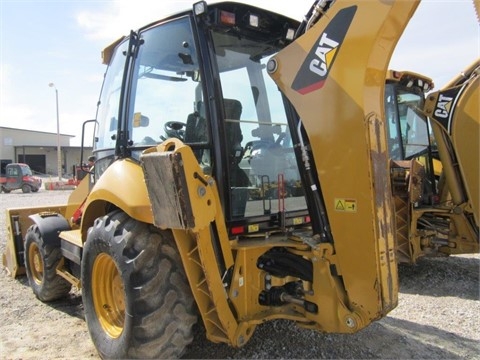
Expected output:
{"points": [[167, 98], [108, 108], [263, 173]]}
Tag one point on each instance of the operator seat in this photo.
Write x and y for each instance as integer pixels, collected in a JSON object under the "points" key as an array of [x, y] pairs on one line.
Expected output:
{"points": [[233, 111], [238, 179], [196, 129]]}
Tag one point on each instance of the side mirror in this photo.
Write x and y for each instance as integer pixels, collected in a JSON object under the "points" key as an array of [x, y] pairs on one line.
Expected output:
{"points": [[140, 120], [94, 121]]}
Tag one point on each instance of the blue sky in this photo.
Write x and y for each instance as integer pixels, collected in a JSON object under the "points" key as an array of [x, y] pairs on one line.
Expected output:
{"points": [[60, 41]]}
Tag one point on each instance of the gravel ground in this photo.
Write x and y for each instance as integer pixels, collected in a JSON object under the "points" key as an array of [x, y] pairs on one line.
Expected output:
{"points": [[438, 317]]}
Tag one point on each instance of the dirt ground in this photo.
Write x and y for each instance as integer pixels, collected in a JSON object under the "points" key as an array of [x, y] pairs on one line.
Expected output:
{"points": [[438, 317]]}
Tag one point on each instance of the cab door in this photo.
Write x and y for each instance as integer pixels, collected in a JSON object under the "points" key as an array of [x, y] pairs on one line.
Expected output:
{"points": [[14, 177]]}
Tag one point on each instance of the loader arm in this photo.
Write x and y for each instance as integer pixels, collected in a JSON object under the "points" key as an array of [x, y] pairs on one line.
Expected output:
{"points": [[334, 76]]}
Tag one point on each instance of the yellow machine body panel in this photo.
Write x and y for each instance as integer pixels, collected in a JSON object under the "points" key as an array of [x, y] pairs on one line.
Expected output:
{"points": [[465, 138], [336, 84], [78, 196], [18, 221], [128, 193]]}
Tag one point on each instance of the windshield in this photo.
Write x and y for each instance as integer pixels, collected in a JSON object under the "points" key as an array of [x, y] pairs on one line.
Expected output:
{"points": [[264, 177], [108, 107], [26, 171], [167, 83], [165, 88]]}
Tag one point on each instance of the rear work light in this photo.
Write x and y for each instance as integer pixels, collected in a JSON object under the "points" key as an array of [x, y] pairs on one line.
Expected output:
{"points": [[290, 34], [253, 20], [200, 8]]}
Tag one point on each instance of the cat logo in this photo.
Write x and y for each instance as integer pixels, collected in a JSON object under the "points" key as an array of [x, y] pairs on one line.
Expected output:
{"points": [[443, 107], [315, 68], [325, 53]]}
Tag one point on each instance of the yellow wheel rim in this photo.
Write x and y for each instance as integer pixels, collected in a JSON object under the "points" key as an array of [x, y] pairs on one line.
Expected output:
{"points": [[108, 295], [36, 263]]}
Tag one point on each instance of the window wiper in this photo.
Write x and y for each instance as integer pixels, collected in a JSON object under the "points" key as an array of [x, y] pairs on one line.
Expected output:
{"points": [[164, 77]]}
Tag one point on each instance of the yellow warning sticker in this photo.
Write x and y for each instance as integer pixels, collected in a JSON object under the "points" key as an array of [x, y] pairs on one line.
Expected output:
{"points": [[345, 205], [297, 221]]}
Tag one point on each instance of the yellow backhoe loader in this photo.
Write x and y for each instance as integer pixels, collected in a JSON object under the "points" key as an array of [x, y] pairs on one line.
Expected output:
{"points": [[190, 124], [434, 164]]}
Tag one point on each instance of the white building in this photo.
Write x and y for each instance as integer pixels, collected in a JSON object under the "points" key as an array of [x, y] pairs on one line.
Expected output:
{"points": [[39, 150]]}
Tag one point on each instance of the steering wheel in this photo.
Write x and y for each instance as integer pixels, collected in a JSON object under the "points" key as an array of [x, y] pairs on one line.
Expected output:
{"points": [[175, 129]]}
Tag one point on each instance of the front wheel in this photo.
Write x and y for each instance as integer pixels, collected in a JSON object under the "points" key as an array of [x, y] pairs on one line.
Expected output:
{"points": [[41, 263], [137, 300], [26, 188]]}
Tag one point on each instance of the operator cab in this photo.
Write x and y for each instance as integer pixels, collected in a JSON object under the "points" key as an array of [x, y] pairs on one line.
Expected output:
{"points": [[408, 129], [201, 77]]}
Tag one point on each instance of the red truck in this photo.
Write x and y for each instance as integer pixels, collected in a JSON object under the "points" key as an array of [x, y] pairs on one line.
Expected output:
{"points": [[19, 176]]}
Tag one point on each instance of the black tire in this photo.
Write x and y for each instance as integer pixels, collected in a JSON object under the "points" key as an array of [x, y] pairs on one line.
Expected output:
{"points": [[5, 190], [41, 261], [26, 188], [129, 267]]}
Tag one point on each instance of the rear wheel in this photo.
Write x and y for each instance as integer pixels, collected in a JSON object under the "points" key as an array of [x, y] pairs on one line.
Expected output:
{"points": [[41, 262], [137, 300]]}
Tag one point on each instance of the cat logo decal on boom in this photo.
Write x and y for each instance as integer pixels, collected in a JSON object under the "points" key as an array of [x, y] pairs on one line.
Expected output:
{"points": [[315, 69], [445, 105]]}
